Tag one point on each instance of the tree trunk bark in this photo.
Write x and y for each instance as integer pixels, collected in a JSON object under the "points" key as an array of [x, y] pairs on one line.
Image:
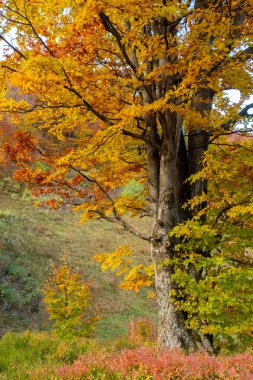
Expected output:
{"points": [[167, 173], [198, 140], [171, 329]]}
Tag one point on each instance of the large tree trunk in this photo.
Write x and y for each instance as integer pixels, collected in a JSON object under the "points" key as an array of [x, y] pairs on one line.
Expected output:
{"points": [[171, 330], [169, 165], [167, 171]]}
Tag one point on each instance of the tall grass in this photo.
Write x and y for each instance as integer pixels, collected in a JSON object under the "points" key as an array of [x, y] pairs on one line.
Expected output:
{"points": [[21, 352]]}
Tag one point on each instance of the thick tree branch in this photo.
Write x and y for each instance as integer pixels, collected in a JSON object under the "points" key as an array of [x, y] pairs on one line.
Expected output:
{"points": [[108, 25], [111, 29], [89, 106], [39, 107], [244, 111], [134, 135]]}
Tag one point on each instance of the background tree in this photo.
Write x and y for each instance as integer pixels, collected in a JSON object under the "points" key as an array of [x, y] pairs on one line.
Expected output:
{"points": [[139, 87]]}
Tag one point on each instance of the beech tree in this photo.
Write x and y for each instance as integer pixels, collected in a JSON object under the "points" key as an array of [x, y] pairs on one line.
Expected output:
{"points": [[137, 91]]}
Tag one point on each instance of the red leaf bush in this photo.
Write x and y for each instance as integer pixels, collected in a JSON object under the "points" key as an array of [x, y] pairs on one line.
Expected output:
{"points": [[145, 364]]}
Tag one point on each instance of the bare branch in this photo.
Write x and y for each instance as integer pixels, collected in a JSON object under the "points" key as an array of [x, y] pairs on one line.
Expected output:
{"points": [[116, 218], [130, 229], [233, 145], [9, 68], [12, 47], [244, 111]]}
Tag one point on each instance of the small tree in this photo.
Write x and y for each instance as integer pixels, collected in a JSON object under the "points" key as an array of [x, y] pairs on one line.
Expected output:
{"points": [[68, 299]]}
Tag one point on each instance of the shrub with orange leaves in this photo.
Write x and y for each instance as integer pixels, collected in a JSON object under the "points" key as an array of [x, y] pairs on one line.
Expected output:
{"points": [[142, 330]]}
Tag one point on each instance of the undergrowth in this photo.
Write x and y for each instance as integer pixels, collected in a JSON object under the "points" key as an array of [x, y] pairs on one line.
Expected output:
{"points": [[22, 352], [43, 356]]}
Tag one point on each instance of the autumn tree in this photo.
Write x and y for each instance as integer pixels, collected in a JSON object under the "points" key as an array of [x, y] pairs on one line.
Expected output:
{"points": [[68, 299], [138, 88]]}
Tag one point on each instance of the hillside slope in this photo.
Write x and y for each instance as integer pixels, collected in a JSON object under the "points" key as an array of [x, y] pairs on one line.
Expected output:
{"points": [[33, 238]]}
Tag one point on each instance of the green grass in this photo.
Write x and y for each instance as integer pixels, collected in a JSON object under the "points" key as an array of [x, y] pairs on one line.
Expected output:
{"points": [[33, 238], [20, 353]]}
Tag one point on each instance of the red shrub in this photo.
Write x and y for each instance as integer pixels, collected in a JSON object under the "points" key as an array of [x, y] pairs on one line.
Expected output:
{"points": [[144, 363]]}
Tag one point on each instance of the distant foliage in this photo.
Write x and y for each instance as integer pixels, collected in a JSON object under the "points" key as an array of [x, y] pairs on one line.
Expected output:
{"points": [[68, 301], [18, 289], [132, 188]]}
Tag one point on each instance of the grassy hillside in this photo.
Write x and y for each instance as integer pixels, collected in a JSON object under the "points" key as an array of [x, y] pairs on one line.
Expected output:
{"points": [[33, 238]]}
